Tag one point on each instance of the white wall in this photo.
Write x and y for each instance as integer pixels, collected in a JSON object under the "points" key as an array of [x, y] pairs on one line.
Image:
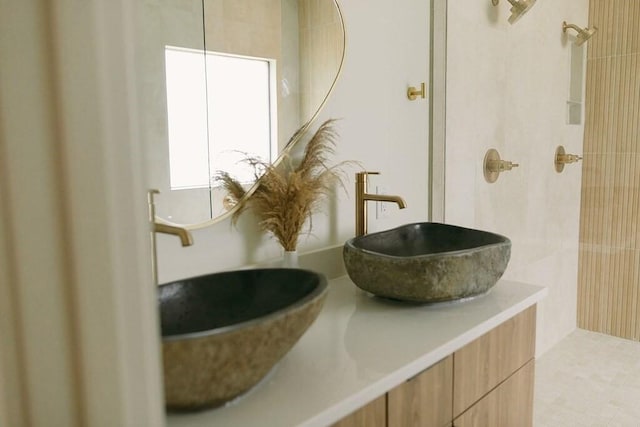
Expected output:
{"points": [[379, 127], [507, 87]]}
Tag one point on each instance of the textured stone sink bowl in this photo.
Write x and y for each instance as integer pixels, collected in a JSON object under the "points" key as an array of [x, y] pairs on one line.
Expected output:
{"points": [[427, 262], [222, 333]]}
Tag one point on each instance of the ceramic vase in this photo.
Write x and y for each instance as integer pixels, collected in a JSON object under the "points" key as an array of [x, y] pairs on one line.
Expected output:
{"points": [[290, 259]]}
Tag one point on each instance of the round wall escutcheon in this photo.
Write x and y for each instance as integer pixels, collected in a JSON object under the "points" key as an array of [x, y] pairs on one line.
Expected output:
{"points": [[491, 158], [556, 160]]}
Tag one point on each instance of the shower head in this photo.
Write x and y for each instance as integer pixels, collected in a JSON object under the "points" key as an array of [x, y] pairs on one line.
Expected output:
{"points": [[584, 34], [518, 8]]}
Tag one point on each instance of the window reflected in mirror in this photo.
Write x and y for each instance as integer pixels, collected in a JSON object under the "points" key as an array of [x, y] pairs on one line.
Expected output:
{"points": [[214, 129], [295, 48]]}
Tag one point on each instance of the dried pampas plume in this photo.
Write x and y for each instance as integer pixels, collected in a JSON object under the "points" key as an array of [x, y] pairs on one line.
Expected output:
{"points": [[286, 196]]}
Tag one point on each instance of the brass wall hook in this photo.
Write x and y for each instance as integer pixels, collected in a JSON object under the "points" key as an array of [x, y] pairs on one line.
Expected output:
{"points": [[494, 165], [413, 93], [562, 158]]}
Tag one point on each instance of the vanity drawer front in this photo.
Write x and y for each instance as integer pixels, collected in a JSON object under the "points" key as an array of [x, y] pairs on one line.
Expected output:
{"points": [[484, 363], [373, 414], [425, 400], [510, 404]]}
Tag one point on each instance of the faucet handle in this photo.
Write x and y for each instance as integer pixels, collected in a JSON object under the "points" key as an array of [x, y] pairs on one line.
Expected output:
{"points": [[563, 158], [494, 165]]}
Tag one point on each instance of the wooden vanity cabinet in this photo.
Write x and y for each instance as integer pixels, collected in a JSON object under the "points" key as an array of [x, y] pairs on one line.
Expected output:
{"points": [[494, 376], [509, 404], [483, 364], [373, 414], [489, 382], [425, 400]]}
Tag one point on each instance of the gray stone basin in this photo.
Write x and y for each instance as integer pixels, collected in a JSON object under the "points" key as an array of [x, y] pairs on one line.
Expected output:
{"points": [[427, 262], [223, 332]]}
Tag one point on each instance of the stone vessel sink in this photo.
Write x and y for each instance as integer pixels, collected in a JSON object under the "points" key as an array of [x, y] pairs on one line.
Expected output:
{"points": [[427, 262], [223, 332]]}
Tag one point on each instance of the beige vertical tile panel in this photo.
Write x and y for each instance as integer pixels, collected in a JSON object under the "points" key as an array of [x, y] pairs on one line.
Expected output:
{"points": [[626, 114], [627, 32], [609, 256], [601, 14], [635, 296]]}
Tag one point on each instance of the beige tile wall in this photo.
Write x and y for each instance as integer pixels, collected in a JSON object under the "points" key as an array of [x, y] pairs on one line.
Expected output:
{"points": [[507, 88], [244, 27], [321, 50], [609, 260]]}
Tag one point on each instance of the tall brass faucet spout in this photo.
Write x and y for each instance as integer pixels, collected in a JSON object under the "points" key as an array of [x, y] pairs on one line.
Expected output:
{"points": [[383, 198], [157, 227], [362, 197], [185, 236]]}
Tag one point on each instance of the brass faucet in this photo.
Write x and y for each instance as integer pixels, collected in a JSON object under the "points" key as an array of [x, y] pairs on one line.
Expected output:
{"points": [[362, 197], [185, 236], [158, 227]]}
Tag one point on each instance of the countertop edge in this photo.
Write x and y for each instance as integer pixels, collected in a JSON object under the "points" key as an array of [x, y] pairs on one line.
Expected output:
{"points": [[357, 400], [344, 312]]}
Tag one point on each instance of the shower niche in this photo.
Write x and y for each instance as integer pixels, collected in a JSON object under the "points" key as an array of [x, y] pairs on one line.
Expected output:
{"points": [[576, 86]]}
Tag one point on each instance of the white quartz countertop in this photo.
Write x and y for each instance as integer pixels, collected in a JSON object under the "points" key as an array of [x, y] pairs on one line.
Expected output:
{"points": [[359, 348]]}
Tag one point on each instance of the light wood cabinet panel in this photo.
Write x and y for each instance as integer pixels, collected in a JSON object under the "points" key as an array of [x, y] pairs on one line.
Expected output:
{"points": [[510, 404], [484, 363], [373, 414], [426, 400], [489, 382]]}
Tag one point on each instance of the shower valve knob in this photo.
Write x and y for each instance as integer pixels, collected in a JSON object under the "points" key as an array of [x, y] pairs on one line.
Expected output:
{"points": [[494, 165], [569, 158], [505, 165], [563, 158], [501, 165]]}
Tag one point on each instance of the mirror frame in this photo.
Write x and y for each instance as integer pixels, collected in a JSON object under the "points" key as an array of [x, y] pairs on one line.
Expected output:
{"points": [[295, 138]]}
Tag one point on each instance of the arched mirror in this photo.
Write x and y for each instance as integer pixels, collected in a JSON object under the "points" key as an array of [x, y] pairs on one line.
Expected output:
{"points": [[223, 79]]}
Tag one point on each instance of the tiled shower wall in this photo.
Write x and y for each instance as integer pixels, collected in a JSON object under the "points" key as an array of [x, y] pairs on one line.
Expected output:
{"points": [[609, 261], [507, 88]]}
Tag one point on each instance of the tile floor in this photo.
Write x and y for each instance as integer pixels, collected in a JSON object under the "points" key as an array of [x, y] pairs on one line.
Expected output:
{"points": [[588, 380]]}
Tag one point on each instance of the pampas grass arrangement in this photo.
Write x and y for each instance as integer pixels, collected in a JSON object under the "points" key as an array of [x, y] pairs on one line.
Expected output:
{"points": [[287, 196]]}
